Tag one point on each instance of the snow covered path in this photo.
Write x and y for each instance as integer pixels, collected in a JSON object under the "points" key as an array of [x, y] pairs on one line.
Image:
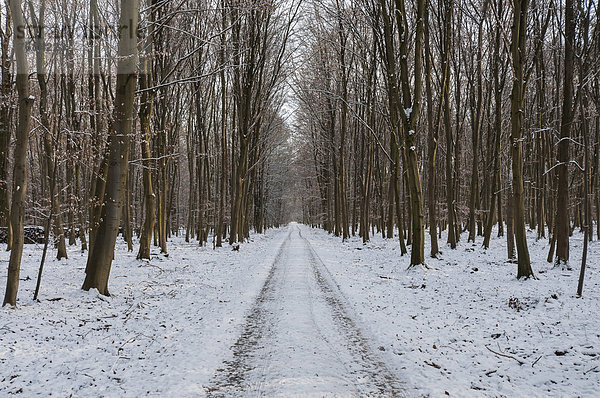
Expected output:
{"points": [[299, 338]]}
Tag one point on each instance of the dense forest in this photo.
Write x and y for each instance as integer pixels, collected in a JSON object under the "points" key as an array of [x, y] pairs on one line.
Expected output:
{"points": [[219, 119]]}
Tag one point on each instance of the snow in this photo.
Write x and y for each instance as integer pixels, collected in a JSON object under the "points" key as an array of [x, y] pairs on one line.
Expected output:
{"points": [[436, 322], [408, 112], [164, 331], [300, 338], [175, 326]]}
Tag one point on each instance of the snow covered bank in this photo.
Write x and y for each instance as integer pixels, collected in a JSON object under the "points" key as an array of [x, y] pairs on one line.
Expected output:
{"points": [[467, 327], [165, 330]]}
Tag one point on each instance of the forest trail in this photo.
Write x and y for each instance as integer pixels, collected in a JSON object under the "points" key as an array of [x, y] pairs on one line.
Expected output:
{"points": [[299, 338]]}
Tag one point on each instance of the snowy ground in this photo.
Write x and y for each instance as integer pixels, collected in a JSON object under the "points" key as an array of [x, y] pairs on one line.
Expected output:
{"points": [[168, 325], [442, 324], [287, 315], [301, 338]]}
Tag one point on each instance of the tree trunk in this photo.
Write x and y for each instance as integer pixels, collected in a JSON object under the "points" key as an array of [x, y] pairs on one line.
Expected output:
{"points": [[411, 105], [450, 181], [100, 164], [223, 175], [474, 199], [510, 232], [5, 130], [145, 114], [495, 199], [20, 156], [343, 128], [100, 258], [432, 144], [540, 145], [562, 196], [518, 50]]}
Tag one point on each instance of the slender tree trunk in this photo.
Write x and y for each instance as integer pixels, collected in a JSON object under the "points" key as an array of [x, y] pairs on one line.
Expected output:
{"points": [[5, 130], [223, 175], [162, 184], [518, 50], [397, 181], [495, 198], [149, 197], [587, 223], [596, 176], [126, 216], [445, 105], [73, 139], [510, 232], [562, 197], [80, 201], [390, 195], [145, 115], [20, 155], [343, 127], [432, 144], [100, 166], [474, 199], [541, 145]]}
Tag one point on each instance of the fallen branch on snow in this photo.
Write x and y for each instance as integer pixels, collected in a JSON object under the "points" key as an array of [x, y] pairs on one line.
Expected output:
{"points": [[505, 355]]}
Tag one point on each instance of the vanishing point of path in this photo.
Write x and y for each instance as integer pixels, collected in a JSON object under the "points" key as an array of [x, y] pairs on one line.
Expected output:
{"points": [[299, 338]]}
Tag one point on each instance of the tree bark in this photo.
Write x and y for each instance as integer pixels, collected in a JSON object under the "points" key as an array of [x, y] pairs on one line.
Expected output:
{"points": [[100, 258], [223, 175], [432, 144], [5, 131], [450, 181], [20, 155], [562, 197], [495, 198], [518, 50], [474, 199], [404, 110], [145, 115]]}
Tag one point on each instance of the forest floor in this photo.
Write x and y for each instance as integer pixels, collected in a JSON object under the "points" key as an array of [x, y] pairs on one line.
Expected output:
{"points": [[297, 312]]}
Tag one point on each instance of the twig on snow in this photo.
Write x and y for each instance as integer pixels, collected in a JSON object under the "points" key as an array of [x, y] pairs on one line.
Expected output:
{"points": [[505, 355]]}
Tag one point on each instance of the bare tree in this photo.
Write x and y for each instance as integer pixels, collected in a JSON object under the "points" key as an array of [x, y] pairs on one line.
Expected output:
{"points": [[517, 105], [20, 155], [5, 123], [562, 229], [100, 258]]}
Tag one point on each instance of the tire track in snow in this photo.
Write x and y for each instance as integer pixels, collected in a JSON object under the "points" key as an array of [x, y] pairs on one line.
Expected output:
{"points": [[230, 378], [386, 383], [298, 310]]}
